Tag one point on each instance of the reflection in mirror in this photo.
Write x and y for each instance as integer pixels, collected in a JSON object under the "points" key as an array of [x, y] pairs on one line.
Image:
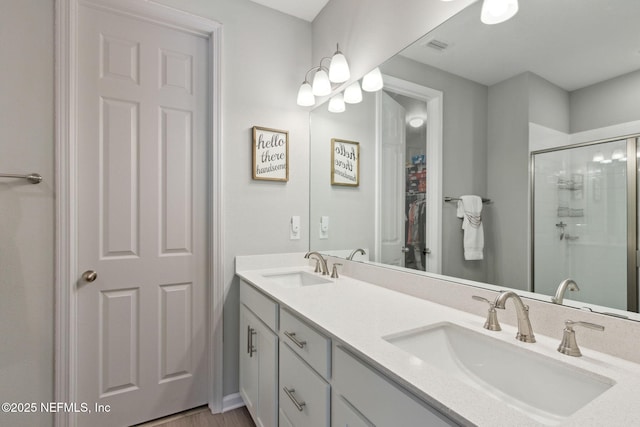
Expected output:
{"points": [[555, 75]]}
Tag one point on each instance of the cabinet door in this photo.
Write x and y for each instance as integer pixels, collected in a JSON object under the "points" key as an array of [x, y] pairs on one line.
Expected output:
{"points": [[258, 369], [344, 415], [248, 364]]}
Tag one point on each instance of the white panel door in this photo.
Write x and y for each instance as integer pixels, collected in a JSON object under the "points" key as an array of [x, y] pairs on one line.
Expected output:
{"points": [[142, 203], [392, 183]]}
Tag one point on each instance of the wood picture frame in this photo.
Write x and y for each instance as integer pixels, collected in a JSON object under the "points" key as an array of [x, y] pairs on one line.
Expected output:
{"points": [[270, 154], [345, 162]]}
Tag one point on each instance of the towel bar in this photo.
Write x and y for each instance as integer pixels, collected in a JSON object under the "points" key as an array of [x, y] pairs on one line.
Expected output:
{"points": [[455, 199]]}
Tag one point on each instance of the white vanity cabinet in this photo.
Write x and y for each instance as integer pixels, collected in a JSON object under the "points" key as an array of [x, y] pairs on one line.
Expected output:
{"points": [[305, 356], [258, 356], [376, 399], [293, 375]]}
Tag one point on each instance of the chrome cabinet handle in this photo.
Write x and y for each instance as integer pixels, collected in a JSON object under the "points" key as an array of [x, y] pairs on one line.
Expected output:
{"points": [[89, 276], [289, 392], [250, 347], [296, 341]]}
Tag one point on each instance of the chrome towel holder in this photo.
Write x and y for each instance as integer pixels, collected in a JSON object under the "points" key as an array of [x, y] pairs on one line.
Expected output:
{"points": [[34, 178]]}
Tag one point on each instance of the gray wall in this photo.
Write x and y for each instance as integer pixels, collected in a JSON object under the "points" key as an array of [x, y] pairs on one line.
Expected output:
{"points": [[350, 209], [26, 210], [261, 73], [370, 32], [464, 153], [607, 103]]}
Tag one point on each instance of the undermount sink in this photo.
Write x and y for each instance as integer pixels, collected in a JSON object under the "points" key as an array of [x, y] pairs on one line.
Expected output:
{"points": [[545, 389], [296, 279]]}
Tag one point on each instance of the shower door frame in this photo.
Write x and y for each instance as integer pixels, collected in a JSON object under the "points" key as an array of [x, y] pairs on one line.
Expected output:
{"points": [[633, 141]]}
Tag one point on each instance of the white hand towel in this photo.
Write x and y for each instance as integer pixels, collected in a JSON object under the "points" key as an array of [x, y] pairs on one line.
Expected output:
{"points": [[470, 210]]}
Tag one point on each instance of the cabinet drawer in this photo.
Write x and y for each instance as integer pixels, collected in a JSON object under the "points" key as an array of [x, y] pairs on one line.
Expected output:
{"points": [[261, 305], [383, 402], [308, 343], [306, 388]]}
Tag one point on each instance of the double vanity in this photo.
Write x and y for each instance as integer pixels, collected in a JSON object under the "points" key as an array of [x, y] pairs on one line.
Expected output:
{"points": [[350, 351]]}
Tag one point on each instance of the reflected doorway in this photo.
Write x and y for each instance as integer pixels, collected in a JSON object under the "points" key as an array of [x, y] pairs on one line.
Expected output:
{"points": [[409, 195]]}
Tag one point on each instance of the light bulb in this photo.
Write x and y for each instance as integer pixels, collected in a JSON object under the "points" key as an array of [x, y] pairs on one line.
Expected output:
{"points": [[372, 81], [305, 95], [353, 94], [338, 68], [497, 11], [617, 154], [336, 104], [321, 85]]}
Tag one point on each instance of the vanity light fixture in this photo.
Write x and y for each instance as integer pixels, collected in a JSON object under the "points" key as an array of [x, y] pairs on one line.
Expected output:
{"points": [[372, 81], [336, 104], [338, 72], [497, 11], [339, 68], [353, 94], [321, 85]]}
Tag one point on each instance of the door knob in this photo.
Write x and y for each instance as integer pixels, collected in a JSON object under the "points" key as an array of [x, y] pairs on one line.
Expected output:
{"points": [[405, 249], [89, 276]]}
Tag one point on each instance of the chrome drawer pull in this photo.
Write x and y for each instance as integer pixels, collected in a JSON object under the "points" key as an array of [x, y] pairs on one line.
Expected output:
{"points": [[250, 347], [296, 341], [290, 392]]}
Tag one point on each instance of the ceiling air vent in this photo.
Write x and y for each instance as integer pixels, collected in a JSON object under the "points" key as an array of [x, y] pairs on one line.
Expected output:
{"points": [[438, 45]]}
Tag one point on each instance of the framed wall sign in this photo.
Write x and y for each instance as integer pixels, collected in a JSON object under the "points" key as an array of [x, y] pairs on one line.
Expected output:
{"points": [[345, 162], [270, 154]]}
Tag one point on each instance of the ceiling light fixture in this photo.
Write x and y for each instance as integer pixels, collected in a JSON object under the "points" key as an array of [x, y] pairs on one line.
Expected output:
{"points": [[497, 11], [416, 122]]}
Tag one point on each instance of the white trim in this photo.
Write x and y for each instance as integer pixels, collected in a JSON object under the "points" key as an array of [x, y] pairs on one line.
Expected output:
{"points": [[232, 401], [66, 188], [435, 101]]}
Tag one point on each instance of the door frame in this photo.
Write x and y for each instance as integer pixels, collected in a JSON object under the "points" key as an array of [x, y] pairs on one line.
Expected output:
{"points": [[66, 210], [435, 101]]}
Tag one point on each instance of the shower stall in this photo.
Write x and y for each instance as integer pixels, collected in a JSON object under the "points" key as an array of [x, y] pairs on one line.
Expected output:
{"points": [[584, 221]]}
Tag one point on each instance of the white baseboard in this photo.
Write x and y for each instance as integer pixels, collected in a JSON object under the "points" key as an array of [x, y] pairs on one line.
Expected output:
{"points": [[232, 401]]}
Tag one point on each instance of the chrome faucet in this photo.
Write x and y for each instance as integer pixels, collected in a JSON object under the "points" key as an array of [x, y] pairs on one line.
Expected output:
{"points": [[355, 251], [525, 332], [562, 288], [320, 259], [568, 345]]}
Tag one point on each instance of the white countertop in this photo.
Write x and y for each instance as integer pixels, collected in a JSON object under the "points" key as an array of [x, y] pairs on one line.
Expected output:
{"points": [[358, 314]]}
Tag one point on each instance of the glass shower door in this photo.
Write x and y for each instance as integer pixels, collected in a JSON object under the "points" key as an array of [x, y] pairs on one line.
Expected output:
{"points": [[580, 227]]}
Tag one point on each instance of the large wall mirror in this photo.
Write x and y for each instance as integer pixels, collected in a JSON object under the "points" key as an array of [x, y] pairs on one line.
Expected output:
{"points": [[539, 117]]}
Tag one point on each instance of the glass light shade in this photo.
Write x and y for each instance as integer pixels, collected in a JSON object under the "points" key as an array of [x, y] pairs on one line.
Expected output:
{"points": [[353, 94], [305, 95], [598, 157], [497, 11], [321, 85], [372, 81], [336, 104], [617, 154], [339, 69]]}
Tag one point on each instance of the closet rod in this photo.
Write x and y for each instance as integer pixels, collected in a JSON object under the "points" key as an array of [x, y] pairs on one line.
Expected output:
{"points": [[455, 199], [34, 178]]}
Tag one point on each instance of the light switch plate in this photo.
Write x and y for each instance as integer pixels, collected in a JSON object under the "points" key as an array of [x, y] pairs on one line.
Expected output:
{"points": [[324, 227], [294, 228]]}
